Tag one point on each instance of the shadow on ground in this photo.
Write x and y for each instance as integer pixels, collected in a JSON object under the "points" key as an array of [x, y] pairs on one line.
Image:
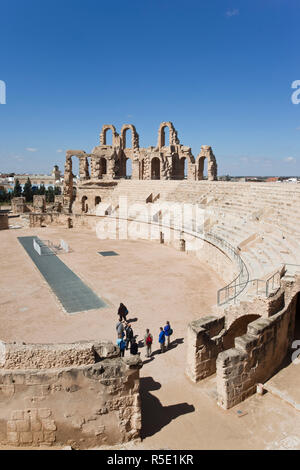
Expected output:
{"points": [[155, 416], [172, 345]]}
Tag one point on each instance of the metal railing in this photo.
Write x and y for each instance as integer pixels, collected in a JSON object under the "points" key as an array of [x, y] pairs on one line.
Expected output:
{"points": [[232, 290]]}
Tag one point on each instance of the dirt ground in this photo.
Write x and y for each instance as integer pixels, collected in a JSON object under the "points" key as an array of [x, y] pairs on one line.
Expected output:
{"points": [[157, 284]]}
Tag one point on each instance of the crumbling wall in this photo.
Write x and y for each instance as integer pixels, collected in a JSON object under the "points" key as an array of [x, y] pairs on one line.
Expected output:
{"points": [[215, 344], [48, 356], [258, 353], [18, 205], [204, 343], [39, 203], [84, 405]]}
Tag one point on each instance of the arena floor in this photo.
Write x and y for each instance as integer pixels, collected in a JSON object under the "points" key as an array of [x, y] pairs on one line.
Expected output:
{"points": [[157, 283]]}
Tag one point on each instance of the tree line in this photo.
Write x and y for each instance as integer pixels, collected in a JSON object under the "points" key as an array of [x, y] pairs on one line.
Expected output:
{"points": [[28, 192]]}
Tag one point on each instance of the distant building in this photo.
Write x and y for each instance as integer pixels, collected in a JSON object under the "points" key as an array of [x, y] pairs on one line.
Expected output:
{"points": [[272, 179], [55, 179]]}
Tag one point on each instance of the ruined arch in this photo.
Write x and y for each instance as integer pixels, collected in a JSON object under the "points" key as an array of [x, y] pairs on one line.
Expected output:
{"points": [[128, 167], [134, 136], [155, 168], [173, 138], [207, 153], [68, 191], [84, 204], [97, 200], [103, 166], [238, 328], [183, 167], [104, 130]]}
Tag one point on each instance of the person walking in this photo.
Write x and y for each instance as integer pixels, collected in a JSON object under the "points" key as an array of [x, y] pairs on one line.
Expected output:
{"points": [[122, 345], [168, 331], [162, 339], [129, 334], [122, 312], [148, 340]]}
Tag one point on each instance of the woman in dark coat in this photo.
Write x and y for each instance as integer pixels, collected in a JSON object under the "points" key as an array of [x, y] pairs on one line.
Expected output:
{"points": [[122, 312]]}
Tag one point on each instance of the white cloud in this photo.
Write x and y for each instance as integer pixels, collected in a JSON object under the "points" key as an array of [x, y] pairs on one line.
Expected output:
{"points": [[31, 149], [59, 150], [289, 160], [233, 12]]}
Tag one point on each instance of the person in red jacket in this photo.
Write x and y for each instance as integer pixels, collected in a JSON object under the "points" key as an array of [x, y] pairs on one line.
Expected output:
{"points": [[148, 339]]}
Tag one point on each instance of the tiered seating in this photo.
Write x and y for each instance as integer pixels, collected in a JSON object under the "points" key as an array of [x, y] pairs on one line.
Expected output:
{"points": [[262, 219]]}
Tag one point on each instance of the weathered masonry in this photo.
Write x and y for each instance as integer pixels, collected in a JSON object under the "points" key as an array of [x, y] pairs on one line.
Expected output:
{"points": [[79, 394], [166, 161]]}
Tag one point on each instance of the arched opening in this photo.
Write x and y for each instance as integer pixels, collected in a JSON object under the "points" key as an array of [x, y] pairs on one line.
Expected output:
{"points": [[84, 204], [128, 168], [183, 168], [155, 168], [75, 169], [238, 328], [103, 166], [165, 136], [97, 200], [127, 139], [108, 137], [202, 174]]}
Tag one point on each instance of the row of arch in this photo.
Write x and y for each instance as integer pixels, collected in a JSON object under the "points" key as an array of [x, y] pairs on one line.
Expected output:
{"points": [[155, 168], [164, 139], [85, 204]]}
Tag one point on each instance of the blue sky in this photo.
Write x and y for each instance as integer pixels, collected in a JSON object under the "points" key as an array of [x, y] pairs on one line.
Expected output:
{"points": [[220, 70]]}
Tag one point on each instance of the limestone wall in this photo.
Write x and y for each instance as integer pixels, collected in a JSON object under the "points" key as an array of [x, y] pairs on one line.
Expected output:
{"points": [[243, 349], [257, 354], [80, 405], [49, 356], [204, 343]]}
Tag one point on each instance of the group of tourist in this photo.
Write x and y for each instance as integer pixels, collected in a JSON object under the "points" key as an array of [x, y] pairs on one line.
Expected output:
{"points": [[127, 340]]}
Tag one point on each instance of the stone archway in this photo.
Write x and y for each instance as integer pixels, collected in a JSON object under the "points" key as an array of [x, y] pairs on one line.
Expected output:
{"points": [[84, 204], [155, 168], [103, 166], [97, 200], [183, 168], [134, 137], [237, 328], [207, 153], [103, 134], [173, 138]]}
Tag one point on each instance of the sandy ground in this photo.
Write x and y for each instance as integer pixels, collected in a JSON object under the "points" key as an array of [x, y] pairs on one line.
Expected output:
{"points": [[157, 284]]}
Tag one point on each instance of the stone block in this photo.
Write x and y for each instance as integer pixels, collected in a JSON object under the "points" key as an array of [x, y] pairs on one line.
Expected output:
{"points": [[44, 413], [48, 425], [13, 437], [38, 437], [23, 425], [17, 414], [49, 436], [26, 437], [11, 426], [35, 425]]}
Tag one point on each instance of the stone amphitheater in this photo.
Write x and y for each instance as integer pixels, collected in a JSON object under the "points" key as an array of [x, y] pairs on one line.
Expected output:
{"points": [[236, 248]]}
